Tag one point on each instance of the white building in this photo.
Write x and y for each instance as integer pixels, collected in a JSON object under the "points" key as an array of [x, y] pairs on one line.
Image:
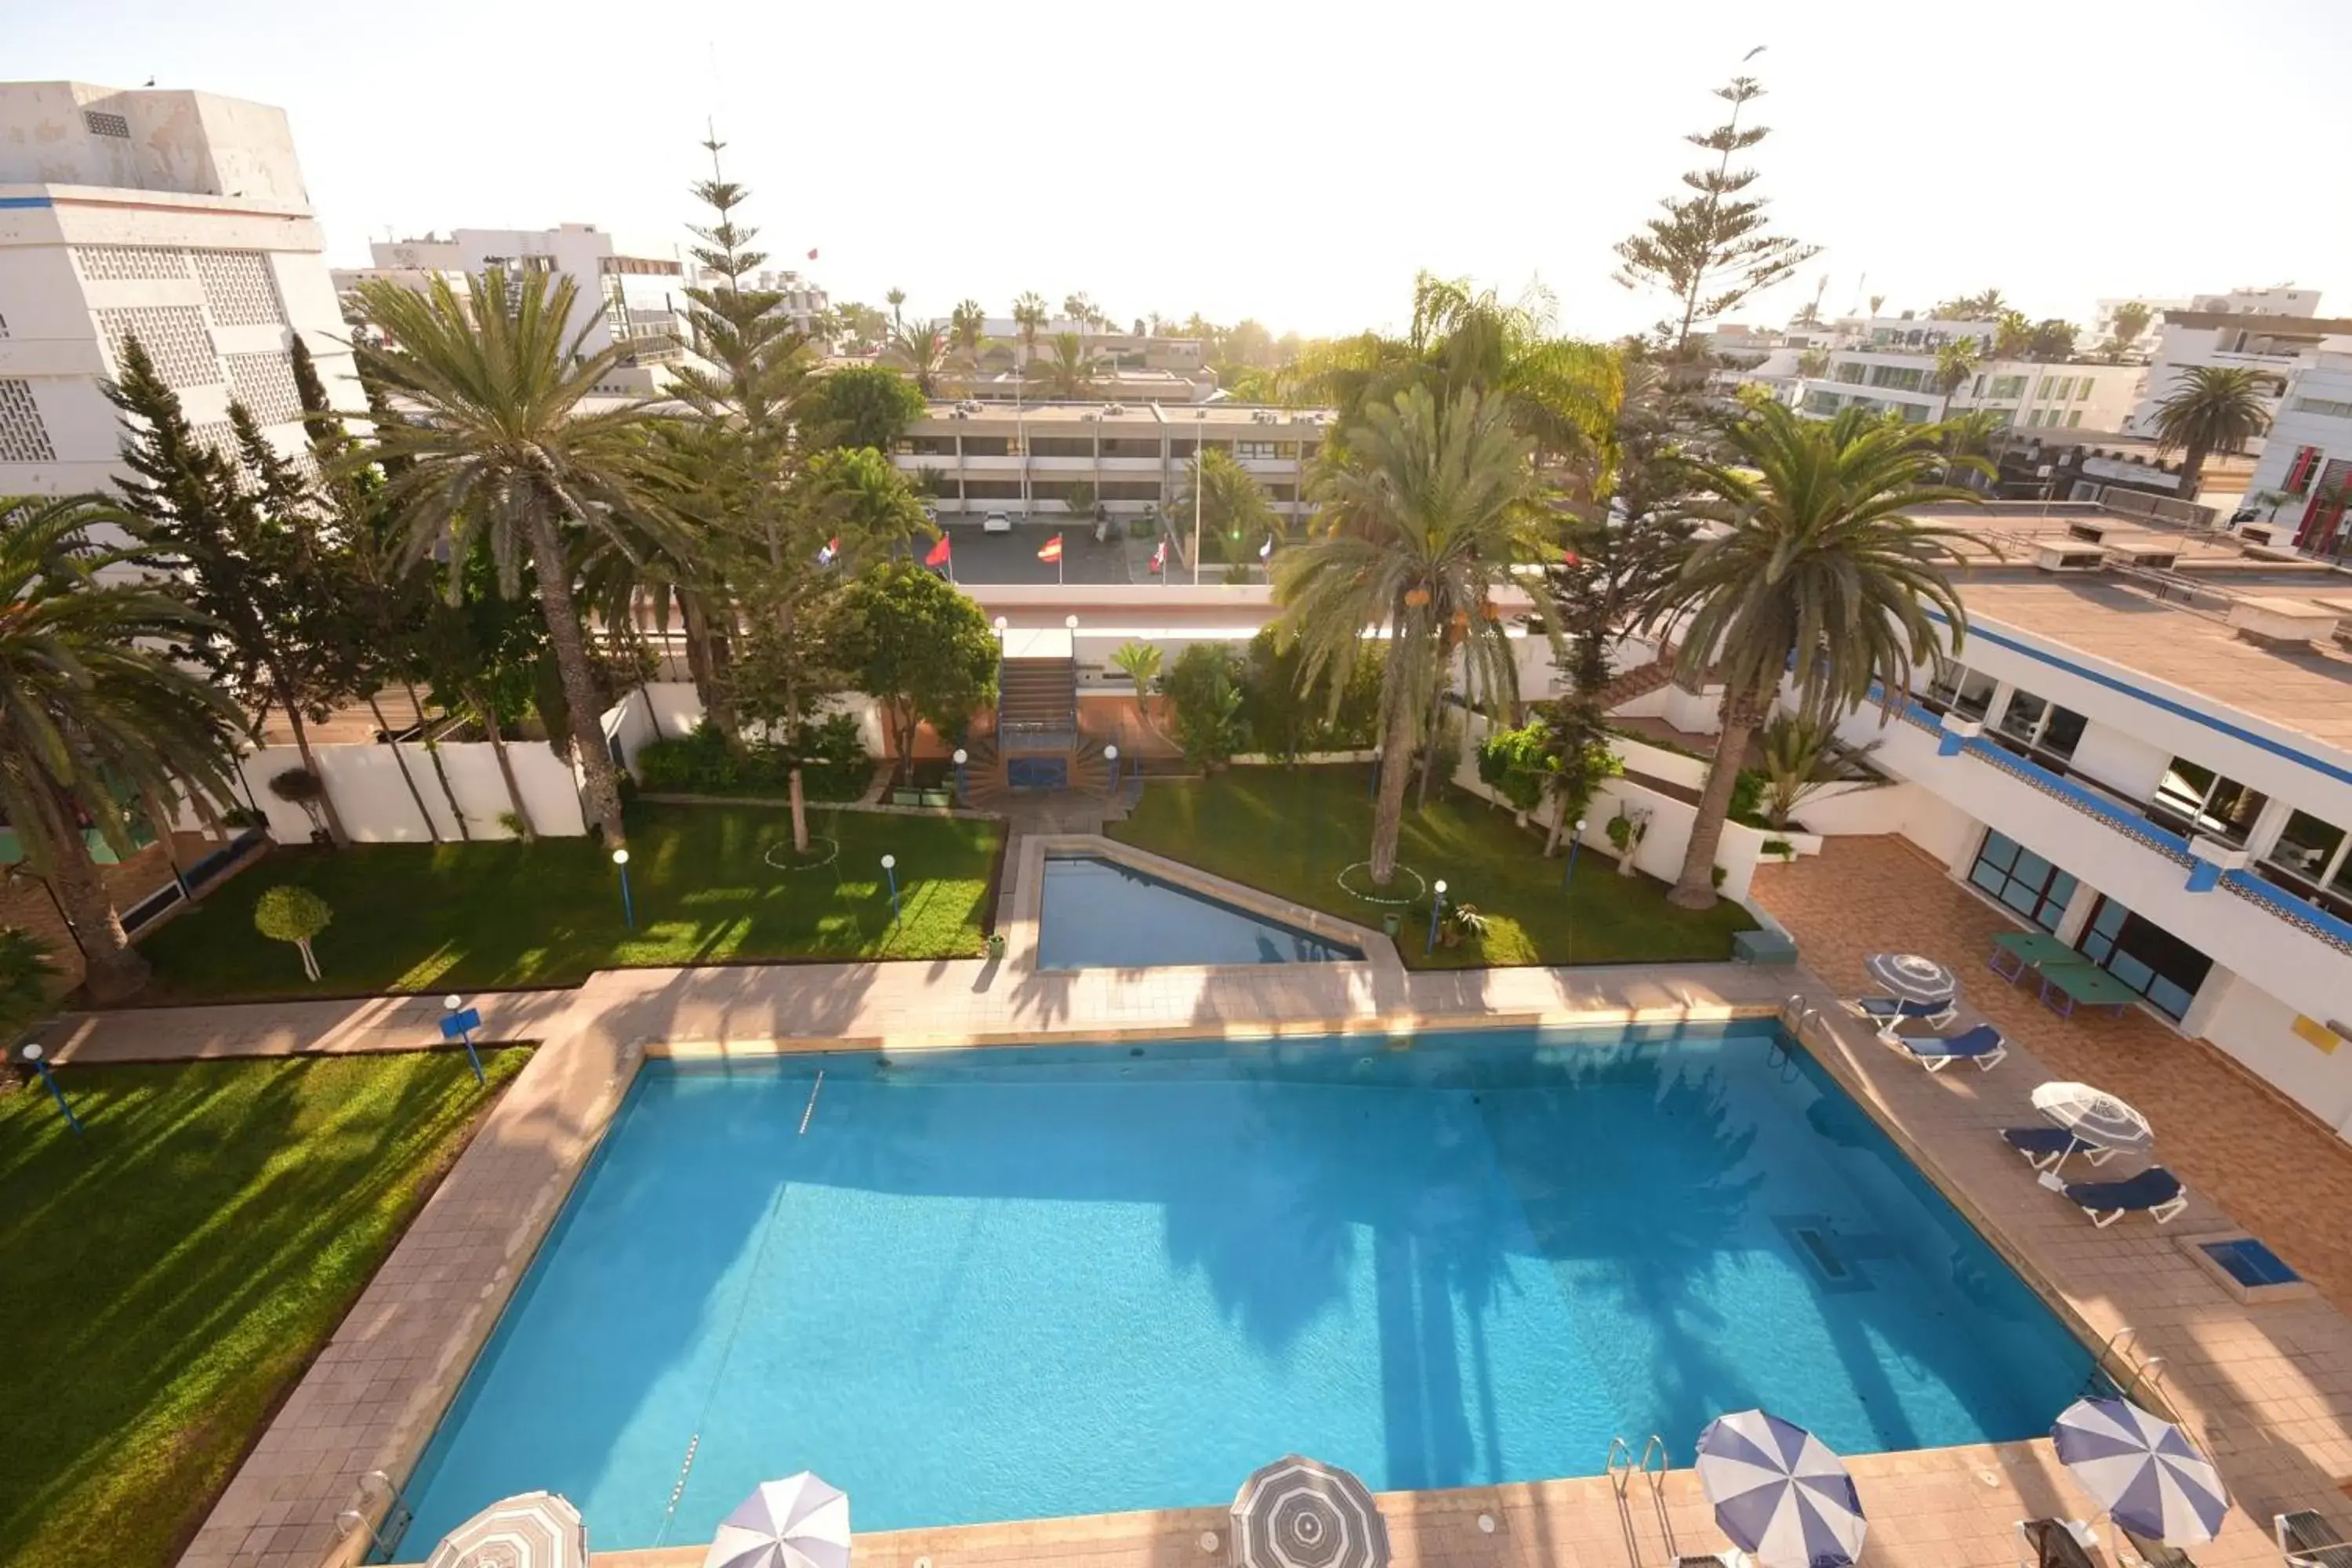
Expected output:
{"points": [[2274, 332], [987, 456], [630, 293], [2025, 393], [179, 218], [2304, 478], [802, 299]]}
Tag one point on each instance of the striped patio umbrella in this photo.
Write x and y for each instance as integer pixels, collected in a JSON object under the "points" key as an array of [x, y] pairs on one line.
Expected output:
{"points": [[1302, 1513], [1779, 1492], [536, 1530], [1909, 977], [2144, 1472], [2094, 1116], [796, 1523]]}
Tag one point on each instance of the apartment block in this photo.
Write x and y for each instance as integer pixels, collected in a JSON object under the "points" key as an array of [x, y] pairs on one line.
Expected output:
{"points": [[2275, 332], [177, 217], [2303, 480]]}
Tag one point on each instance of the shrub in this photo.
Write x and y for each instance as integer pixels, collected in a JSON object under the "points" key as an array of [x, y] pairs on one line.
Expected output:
{"points": [[27, 976], [702, 759], [1781, 847], [1205, 690], [1747, 797], [1517, 764]]}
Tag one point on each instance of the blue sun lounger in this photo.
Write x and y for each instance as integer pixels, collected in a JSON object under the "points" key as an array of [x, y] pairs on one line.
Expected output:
{"points": [[1982, 1045], [2043, 1147], [2155, 1192], [1887, 1010]]}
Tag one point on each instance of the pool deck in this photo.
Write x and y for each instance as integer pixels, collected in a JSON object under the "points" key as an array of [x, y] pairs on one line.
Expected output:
{"points": [[2267, 1389]]}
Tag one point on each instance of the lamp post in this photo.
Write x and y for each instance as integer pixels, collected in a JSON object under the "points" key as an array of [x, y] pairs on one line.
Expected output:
{"points": [[1110, 755], [38, 1060], [628, 907], [890, 869], [1436, 913], [460, 1023], [1573, 843], [963, 785]]}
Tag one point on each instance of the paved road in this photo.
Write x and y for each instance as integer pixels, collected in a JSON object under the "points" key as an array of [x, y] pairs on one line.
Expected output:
{"points": [[1013, 557]]}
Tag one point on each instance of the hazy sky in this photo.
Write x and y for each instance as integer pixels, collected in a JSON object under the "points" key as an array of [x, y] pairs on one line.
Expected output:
{"points": [[1298, 161]]}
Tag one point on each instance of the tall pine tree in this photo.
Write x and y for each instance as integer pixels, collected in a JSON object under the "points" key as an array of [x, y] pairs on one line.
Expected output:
{"points": [[241, 532]]}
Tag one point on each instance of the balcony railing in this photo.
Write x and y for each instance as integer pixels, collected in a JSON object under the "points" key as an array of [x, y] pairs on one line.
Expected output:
{"points": [[2130, 820]]}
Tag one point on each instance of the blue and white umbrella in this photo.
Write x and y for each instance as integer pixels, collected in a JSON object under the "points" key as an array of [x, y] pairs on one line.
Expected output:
{"points": [[1779, 1492], [1909, 977], [796, 1523], [2144, 1472]]}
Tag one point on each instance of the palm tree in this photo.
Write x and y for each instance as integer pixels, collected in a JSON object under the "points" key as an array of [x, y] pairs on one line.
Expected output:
{"points": [[1987, 306], [2012, 335], [503, 450], [924, 346], [1818, 564], [1072, 370], [1419, 521], [1955, 364], [2210, 409], [967, 330], [896, 297], [1029, 315], [91, 713]]}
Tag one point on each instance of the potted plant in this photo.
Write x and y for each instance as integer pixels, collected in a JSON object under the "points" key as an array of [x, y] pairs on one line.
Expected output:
{"points": [[996, 944], [1392, 923], [1461, 920]]}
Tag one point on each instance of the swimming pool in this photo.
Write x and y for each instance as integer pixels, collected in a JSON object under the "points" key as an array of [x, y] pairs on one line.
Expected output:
{"points": [[1006, 1284], [1097, 913]]}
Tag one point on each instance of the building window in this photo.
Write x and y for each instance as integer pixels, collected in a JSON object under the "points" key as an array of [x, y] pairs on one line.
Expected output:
{"points": [[1822, 403], [1850, 373], [2298, 473], [1255, 451], [987, 446], [99, 122], [2327, 408], [2083, 394], [2008, 386], [2198, 800], [238, 289], [2074, 419], [2145, 956], [2040, 728], [2022, 880], [1956, 689], [23, 438], [2311, 859]]}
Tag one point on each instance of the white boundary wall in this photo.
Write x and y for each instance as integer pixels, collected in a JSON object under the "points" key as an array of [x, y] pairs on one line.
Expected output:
{"points": [[377, 808]]}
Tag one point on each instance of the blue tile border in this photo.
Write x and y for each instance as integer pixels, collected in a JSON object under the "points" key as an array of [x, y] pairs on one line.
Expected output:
{"points": [[8, 202]]}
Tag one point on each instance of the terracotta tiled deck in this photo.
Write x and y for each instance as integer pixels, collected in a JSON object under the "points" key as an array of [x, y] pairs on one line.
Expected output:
{"points": [[2276, 1170], [2269, 1389]]}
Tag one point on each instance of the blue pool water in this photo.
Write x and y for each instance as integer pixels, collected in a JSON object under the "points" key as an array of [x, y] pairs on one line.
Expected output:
{"points": [[1097, 914], [1008, 1284]]}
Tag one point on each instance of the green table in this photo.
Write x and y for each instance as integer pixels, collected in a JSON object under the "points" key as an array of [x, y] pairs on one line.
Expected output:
{"points": [[2028, 949], [2083, 981]]}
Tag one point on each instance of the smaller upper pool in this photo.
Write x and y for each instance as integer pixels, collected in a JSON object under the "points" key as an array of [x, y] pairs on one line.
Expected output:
{"points": [[1099, 914]]}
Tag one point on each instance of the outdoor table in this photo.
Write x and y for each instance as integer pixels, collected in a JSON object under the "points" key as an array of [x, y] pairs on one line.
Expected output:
{"points": [[2028, 950], [2083, 981]]}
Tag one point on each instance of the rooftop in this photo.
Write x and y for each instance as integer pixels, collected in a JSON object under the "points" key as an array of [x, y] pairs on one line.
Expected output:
{"points": [[1178, 415]]}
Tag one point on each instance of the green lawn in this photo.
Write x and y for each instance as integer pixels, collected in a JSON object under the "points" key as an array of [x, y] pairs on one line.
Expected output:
{"points": [[1292, 831], [168, 1275], [459, 917]]}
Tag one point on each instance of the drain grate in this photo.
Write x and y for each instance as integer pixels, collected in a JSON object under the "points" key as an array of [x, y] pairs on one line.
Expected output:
{"points": [[1830, 1259]]}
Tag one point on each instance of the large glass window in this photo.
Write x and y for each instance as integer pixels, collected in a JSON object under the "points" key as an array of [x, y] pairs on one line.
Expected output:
{"points": [[2144, 957], [1956, 689], [2024, 880], [2313, 858], [2197, 800], [2040, 728]]}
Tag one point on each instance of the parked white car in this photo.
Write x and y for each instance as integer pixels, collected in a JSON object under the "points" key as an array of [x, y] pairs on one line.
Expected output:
{"points": [[996, 522]]}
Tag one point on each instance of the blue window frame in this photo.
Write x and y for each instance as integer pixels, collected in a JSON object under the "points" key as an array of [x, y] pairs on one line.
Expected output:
{"points": [[2022, 880]]}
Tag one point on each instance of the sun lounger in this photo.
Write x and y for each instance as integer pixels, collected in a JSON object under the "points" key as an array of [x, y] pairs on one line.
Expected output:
{"points": [[1886, 1011], [2055, 1543], [2155, 1553], [2155, 1192], [1981, 1045], [2306, 1539], [2043, 1147]]}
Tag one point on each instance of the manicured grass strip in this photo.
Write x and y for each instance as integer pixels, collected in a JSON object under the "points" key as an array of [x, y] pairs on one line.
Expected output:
{"points": [[459, 917], [1291, 831], [167, 1276]]}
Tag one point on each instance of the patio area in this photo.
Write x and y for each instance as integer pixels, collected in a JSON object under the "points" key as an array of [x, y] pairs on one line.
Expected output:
{"points": [[2229, 1136]]}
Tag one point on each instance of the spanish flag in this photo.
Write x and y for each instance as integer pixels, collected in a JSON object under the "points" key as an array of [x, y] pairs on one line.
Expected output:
{"points": [[1051, 550]]}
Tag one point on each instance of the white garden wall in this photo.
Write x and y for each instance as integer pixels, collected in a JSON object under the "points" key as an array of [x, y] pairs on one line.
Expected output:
{"points": [[377, 808], [2259, 1030]]}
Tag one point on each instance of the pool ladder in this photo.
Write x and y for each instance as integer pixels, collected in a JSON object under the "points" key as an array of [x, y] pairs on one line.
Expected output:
{"points": [[385, 1532], [1621, 1467], [2123, 1348]]}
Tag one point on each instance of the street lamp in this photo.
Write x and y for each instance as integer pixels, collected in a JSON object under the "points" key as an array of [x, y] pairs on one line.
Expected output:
{"points": [[890, 869], [1070, 623], [460, 1025], [1436, 913], [1110, 755], [37, 1058], [964, 786], [628, 908], [1572, 844]]}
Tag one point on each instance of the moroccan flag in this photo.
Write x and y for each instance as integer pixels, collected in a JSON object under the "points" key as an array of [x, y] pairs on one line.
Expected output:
{"points": [[1053, 549], [812, 256], [832, 548], [939, 554], [1159, 557]]}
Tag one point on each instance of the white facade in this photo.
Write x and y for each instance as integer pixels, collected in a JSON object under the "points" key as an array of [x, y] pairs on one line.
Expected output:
{"points": [[2304, 479], [2274, 332], [2027, 395], [630, 293], [177, 217], [804, 299]]}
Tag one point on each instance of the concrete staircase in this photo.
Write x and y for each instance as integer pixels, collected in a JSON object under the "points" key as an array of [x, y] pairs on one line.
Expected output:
{"points": [[1037, 696]]}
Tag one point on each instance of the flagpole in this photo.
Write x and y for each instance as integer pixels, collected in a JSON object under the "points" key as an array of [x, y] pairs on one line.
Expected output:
{"points": [[1200, 472]]}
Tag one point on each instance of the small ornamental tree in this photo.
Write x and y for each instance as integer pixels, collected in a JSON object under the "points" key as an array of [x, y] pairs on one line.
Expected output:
{"points": [[300, 786], [295, 914], [916, 644]]}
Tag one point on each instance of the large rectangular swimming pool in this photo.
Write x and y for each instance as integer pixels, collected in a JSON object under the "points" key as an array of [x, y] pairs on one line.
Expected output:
{"points": [[1006, 1284]]}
